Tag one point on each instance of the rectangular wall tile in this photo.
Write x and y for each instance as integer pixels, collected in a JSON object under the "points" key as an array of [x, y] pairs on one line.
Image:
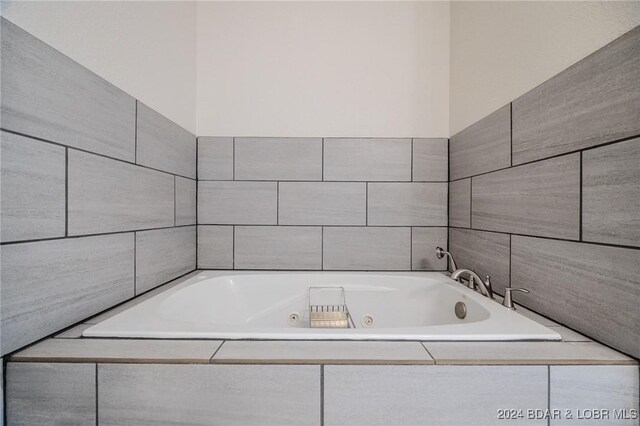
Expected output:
{"points": [[33, 189], [274, 247], [600, 387], [611, 194], [483, 146], [47, 95], [592, 102], [322, 203], [367, 248], [50, 285], [237, 203], [407, 204], [460, 203], [278, 158], [215, 247], [416, 395], [367, 159], [423, 249], [164, 254], [216, 394], [110, 196], [164, 145], [431, 160], [487, 253], [51, 394], [215, 158], [591, 288], [541, 199], [185, 201]]}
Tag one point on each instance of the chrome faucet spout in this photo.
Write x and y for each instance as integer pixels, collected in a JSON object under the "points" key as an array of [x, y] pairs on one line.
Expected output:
{"points": [[483, 285]]}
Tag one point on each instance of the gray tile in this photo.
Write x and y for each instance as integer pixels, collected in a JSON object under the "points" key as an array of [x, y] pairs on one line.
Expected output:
{"points": [[185, 201], [224, 394], [228, 203], [215, 158], [274, 247], [33, 189], [591, 288], [541, 199], [322, 203], [460, 203], [321, 352], [430, 394], [595, 100], [423, 249], [278, 158], [367, 159], [47, 95], [120, 351], [601, 387], [431, 160], [483, 146], [154, 265], [49, 285], [611, 194], [215, 247], [363, 248], [487, 253], [511, 353], [164, 145], [407, 204], [110, 196], [51, 394]]}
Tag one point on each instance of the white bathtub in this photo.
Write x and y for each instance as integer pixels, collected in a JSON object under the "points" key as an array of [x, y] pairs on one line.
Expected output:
{"points": [[258, 305]]}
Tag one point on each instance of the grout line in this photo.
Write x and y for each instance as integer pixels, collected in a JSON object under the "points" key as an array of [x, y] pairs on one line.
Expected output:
{"points": [[425, 348], [510, 262], [175, 222], [66, 192], [548, 392], [322, 395], [511, 133], [233, 247], [135, 263], [366, 204], [135, 136], [97, 389], [277, 203], [322, 248], [411, 248], [580, 208], [216, 351], [233, 159], [411, 160], [470, 202], [322, 175], [318, 181], [196, 212]]}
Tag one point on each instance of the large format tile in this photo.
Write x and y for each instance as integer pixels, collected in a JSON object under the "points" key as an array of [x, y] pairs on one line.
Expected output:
{"points": [[164, 145], [541, 199], [431, 160], [413, 395], [407, 204], [215, 158], [47, 95], [483, 146], [591, 288], [50, 285], [278, 247], [215, 247], [611, 194], [367, 159], [185, 201], [487, 253], [33, 189], [365, 248], [218, 394], [242, 203], [595, 100], [424, 242], [110, 196], [460, 203], [164, 254], [51, 394], [278, 158], [601, 387], [322, 203]]}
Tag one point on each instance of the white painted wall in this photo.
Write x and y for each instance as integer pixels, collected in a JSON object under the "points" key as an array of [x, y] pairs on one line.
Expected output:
{"points": [[148, 49], [323, 69], [501, 50]]}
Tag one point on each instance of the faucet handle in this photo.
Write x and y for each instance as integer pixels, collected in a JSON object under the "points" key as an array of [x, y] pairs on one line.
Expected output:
{"points": [[487, 283], [507, 302]]}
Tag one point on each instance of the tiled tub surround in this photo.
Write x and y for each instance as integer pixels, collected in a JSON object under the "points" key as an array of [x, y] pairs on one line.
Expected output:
{"points": [[321, 203], [558, 211], [96, 189]]}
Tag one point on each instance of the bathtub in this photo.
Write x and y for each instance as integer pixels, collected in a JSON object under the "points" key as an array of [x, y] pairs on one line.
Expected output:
{"points": [[275, 305]]}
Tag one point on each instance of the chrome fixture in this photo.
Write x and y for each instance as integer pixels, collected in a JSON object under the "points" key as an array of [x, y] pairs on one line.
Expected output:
{"points": [[507, 302], [440, 253], [475, 280]]}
